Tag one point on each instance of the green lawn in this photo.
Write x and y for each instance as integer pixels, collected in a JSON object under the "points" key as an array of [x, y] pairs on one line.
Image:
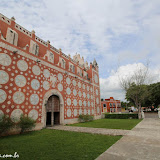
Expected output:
{"points": [[110, 123], [56, 145]]}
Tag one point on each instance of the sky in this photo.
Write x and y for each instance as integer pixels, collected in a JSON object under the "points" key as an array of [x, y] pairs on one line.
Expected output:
{"points": [[120, 34]]}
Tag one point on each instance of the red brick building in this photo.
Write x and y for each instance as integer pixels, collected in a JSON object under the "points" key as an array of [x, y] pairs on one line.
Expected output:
{"points": [[42, 82], [111, 105]]}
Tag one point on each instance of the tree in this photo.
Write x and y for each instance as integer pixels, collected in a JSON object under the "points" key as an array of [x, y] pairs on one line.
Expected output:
{"points": [[134, 86], [154, 97]]}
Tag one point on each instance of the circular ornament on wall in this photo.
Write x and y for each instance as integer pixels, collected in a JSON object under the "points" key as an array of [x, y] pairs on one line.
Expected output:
{"points": [[74, 92], [68, 80], [80, 111], [74, 82], [88, 103], [36, 70], [4, 77], [92, 104], [97, 92], [88, 96], [75, 112], [84, 94], [96, 78], [75, 102], [3, 96], [46, 85], [22, 65], [18, 97], [97, 100], [79, 84], [60, 87], [20, 81], [5, 59], [84, 103], [68, 101], [46, 73], [33, 114], [34, 99], [68, 112], [79, 93], [80, 103], [35, 84], [60, 77], [68, 90], [16, 114]]}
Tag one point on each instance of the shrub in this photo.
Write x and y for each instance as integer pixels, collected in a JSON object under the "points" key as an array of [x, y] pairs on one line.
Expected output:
{"points": [[85, 118], [121, 116], [26, 123], [5, 124]]}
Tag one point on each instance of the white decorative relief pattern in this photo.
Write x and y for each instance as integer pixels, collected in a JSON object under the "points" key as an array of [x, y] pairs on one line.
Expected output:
{"points": [[35, 84], [16, 114], [22, 65], [46, 85], [60, 77], [75, 102], [36, 70], [60, 87], [33, 114], [20, 81], [69, 113], [5, 59], [68, 90], [74, 92], [68, 101], [46, 73], [68, 80], [18, 97], [3, 96], [34, 99], [4, 77]]}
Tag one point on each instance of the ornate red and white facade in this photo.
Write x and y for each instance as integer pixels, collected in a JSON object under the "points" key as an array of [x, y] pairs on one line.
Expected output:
{"points": [[31, 71]]}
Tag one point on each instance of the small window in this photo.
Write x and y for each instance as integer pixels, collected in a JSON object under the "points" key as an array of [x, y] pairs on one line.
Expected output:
{"points": [[110, 104], [104, 105]]}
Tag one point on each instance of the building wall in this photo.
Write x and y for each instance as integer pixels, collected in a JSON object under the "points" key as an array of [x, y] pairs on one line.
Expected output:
{"points": [[112, 105], [28, 79]]}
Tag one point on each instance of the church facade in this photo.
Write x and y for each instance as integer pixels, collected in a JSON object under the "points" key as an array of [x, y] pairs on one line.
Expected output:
{"points": [[40, 81]]}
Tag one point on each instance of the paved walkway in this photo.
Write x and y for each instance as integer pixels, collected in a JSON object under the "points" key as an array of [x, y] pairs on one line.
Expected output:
{"points": [[142, 143], [115, 132]]}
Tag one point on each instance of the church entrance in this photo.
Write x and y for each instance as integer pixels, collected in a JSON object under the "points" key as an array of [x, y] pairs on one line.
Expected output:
{"points": [[53, 111]]}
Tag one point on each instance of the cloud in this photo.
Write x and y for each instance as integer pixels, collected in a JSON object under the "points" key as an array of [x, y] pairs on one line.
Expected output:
{"points": [[110, 87], [115, 32]]}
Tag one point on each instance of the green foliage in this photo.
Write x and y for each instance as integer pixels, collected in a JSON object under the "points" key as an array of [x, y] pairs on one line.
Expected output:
{"points": [[121, 116], [126, 124], [59, 145], [26, 123], [85, 118], [5, 124]]}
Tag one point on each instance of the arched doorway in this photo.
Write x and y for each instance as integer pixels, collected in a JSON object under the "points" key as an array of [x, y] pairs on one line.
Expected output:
{"points": [[53, 111]]}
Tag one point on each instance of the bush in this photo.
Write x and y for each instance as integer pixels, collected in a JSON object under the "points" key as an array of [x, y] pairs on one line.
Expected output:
{"points": [[5, 124], [26, 123], [85, 118], [121, 116]]}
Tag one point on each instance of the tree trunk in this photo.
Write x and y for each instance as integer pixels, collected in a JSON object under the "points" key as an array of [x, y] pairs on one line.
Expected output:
{"points": [[139, 112]]}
